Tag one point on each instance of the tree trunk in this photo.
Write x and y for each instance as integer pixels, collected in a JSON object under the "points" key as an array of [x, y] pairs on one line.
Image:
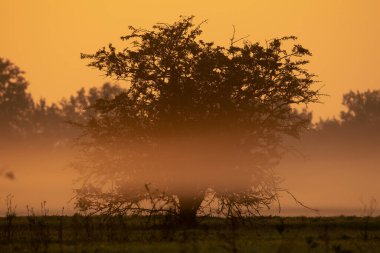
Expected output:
{"points": [[188, 208]]}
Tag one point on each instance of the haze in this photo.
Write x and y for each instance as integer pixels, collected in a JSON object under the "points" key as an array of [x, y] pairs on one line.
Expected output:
{"points": [[45, 39]]}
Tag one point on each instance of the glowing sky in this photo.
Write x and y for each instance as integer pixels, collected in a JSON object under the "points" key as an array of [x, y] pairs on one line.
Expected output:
{"points": [[46, 37]]}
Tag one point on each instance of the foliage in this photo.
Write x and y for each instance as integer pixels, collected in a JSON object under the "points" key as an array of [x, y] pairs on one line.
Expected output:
{"points": [[197, 122], [78, 108], [15, 101], [362, 107], [359, 122], [179, 83], [24, 119]]}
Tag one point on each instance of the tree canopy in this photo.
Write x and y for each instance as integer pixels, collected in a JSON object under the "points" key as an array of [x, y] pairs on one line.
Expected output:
{"points": [[179, 82], [15, 101], [362, 107], [193, 108], [24, 119], [358, 124]]}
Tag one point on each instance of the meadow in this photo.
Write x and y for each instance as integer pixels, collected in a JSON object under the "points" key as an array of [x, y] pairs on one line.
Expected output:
{"points": [[80, 233]]}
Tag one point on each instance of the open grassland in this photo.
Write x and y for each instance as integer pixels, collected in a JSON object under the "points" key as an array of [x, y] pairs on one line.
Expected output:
{"points": [[159, 234]]}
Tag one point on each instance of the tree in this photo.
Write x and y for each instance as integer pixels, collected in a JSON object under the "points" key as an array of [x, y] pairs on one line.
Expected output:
{"points": [[362, 110], [78, 107], [15, 102], [361, 107], [358, 124], [22, 118], [199, 125], [53, 123]]}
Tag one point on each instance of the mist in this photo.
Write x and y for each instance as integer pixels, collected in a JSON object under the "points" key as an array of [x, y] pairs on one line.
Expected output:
{"points": [[39, 174], [337, 176], [218, 130]]}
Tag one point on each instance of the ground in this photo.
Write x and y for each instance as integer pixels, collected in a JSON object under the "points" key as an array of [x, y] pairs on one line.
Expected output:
{"points": [[138, 234]]}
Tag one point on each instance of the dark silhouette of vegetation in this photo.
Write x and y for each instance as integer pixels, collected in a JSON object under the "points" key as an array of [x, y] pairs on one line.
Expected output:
{"points": [[199, 127], [26, 120], [15, 102], [362, 109], [39, 232], [358, 124]]}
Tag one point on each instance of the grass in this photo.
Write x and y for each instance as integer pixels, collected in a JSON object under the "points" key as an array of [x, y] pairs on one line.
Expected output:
{"points": [[135, 234]]}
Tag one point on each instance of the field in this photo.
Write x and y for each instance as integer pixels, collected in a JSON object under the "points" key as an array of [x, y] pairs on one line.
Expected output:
{"points": [[158, 234]]}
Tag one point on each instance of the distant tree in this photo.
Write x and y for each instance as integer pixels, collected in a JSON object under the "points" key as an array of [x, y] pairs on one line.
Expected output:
{"points": [[54, 122], [358, 124], [362, 110], [199, 125], [16, 103], [22, 118], [361, 107], [78, 108], [48, 122]]}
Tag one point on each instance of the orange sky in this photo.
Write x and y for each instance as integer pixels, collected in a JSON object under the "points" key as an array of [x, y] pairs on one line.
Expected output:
{"points": [[46, 37]]}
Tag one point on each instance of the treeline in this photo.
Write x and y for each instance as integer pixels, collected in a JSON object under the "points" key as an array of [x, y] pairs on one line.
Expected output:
{"points": [[22, 118], [353, 134], [362, 113], [358, 126]]}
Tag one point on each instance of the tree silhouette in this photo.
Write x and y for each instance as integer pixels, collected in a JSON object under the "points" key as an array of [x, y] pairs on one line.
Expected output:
{"points": [[23, 119], [358, 124], [78, 107], [54, 122], [362, 110], [362, 107], [199, 125], [15, 102]]}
